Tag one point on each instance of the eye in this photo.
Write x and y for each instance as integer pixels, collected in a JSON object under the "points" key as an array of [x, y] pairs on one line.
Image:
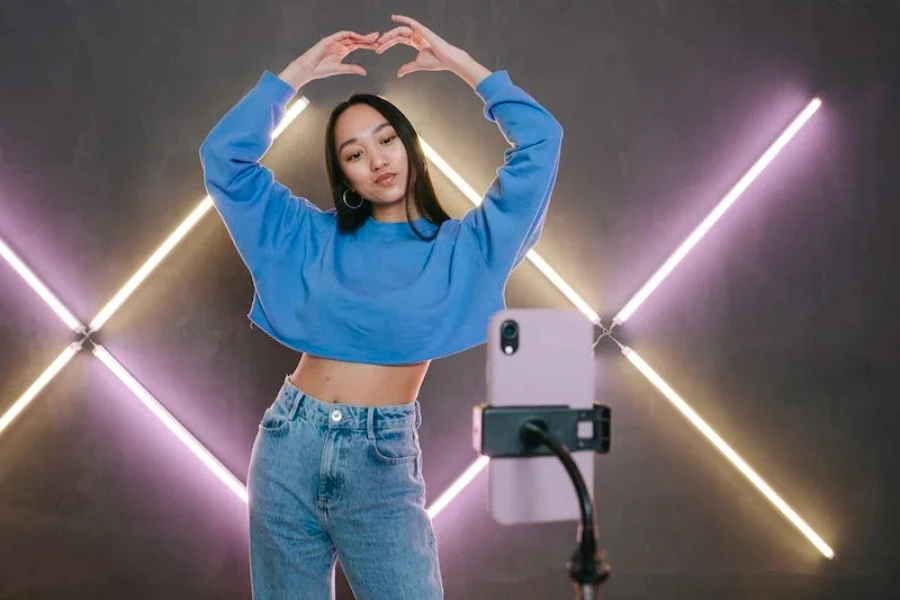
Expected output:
{"points": [[389, 138]]}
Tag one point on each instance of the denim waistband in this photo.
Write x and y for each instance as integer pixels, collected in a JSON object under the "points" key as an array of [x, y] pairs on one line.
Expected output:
{"points": [[347, 416]]}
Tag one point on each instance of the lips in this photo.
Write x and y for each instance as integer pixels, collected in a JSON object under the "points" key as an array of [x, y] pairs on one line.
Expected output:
{"points": [[386, 178]]}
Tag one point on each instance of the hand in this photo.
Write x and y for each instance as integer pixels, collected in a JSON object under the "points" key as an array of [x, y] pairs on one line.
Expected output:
{"points": [[326, 58], [435, 54]]}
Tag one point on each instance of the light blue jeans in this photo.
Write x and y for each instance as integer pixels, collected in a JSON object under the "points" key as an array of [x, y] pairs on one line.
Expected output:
{"points": [[341, 481]]}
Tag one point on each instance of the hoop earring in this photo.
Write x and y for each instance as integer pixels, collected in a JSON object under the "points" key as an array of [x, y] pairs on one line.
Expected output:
{"points": [[344, 196]]}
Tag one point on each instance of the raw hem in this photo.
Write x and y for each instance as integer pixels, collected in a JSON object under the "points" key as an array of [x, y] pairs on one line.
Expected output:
{"points": [[330, 354]]}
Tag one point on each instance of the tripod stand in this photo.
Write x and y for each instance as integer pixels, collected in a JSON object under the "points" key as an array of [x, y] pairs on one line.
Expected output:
{"points": [[514, 431]]}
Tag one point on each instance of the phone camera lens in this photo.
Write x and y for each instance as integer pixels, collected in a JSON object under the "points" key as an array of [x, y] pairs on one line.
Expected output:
{"points": [[509, 337]]}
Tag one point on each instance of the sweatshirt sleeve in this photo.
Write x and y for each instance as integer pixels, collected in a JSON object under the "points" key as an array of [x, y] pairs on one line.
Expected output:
{"points": [[261, 215], [508, 221]]}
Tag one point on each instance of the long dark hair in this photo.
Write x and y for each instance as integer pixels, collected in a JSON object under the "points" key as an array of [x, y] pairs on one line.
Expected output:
{"points": [[419, 181]]}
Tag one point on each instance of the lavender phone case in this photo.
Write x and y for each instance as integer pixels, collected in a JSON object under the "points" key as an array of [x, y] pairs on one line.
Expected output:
{"points": [[554, 364]]}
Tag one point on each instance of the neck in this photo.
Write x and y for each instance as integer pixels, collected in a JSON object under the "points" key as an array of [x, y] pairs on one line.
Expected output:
{"points": [[395, 212]]}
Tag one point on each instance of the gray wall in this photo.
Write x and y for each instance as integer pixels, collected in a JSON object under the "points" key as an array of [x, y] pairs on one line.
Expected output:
{"points": [[780, 328]]}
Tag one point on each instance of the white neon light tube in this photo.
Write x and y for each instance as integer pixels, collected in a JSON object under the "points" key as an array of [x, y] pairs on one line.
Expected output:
{"points": [[183, 435], [733, 457], [42, 290], [457, 486], [717, 212], [469, 192], [39, 384], [176, 236]]}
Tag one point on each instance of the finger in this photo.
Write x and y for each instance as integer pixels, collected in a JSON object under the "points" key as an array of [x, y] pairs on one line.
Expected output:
{"points": [[344, 35], [410, 67], [357, 46], [370, 40], [403, 30], [350, 70], [384, 47], [418, 28], [407, 21], [351, 35]]}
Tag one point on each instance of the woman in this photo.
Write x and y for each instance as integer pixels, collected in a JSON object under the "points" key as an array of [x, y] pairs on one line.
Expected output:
{"points": [[369, 292]]}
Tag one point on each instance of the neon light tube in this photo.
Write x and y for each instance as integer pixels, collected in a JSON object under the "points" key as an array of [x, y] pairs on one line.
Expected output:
{"points": [[457, 486], [733, 457], [469, 192], [39, 384], [211, 462], [176, 236], [710, 220], [42, 290]]}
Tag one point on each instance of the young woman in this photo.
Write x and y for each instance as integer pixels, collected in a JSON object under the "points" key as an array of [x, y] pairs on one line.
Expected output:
{"points": [[369, 292]]}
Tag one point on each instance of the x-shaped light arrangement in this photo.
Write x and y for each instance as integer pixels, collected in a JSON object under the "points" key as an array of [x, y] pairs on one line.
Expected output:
{"points": [[84, 333]]}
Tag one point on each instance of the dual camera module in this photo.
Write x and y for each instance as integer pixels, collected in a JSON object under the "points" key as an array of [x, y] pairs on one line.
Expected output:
{"points": [[509, 337]]}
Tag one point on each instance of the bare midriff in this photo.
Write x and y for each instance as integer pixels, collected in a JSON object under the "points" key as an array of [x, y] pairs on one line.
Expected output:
{"points": [[364, 384]]}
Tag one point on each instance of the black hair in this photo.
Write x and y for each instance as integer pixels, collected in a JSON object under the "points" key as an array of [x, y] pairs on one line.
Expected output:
{"points": [[418, 182]]}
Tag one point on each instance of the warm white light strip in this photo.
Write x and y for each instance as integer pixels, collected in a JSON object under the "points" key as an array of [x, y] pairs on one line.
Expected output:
{"points": [[292, 113], [469, 192], [710, 220], [211, 462], [176, 236], [458, 486], [561, 284], [40, 383], [151, 263], [728, 452], [455, 178], [38, 286]]}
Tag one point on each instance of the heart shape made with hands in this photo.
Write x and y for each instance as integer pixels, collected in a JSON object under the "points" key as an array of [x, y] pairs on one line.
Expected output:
{"points": [[434, 53]]}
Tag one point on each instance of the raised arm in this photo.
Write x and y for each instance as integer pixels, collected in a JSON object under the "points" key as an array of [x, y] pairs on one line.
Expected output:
{"points": [[509, 220], [261, 215]]}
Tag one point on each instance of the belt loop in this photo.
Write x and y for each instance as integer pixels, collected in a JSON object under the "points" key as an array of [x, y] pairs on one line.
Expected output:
{"points": [[294, 406], [370, 422], [418, 414], [293, 396]]}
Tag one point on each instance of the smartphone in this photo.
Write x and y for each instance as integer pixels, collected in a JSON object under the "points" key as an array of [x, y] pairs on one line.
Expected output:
{"points": [[537, 357]]}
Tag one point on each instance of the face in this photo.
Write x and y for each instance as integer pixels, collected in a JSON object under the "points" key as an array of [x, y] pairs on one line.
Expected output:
{"points": [[371, 155]]}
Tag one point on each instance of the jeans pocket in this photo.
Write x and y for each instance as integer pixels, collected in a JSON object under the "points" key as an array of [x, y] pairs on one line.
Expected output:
{"points": [[396, 445], [274, 420]]}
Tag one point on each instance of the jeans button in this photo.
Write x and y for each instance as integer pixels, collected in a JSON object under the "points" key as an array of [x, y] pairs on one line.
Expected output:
{"points": [[335, 415]]}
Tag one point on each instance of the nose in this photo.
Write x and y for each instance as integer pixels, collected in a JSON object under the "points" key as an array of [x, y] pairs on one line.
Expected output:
{"points": [[378, 161]]}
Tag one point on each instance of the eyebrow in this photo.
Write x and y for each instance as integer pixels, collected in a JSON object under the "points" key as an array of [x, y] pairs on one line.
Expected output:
{"points": [[374, 131]]}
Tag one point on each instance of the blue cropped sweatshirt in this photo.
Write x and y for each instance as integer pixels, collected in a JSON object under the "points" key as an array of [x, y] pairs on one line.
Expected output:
{"points": [[381, 294]]}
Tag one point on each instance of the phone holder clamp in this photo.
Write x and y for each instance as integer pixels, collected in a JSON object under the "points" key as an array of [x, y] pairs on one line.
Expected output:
{"points": [[531, 431]]}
